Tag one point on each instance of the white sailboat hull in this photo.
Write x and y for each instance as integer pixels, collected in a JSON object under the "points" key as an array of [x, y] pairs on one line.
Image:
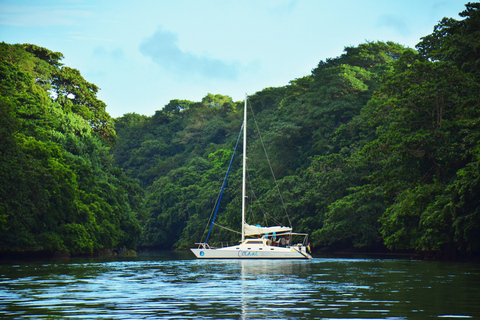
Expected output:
{"points": [[244, 252]]}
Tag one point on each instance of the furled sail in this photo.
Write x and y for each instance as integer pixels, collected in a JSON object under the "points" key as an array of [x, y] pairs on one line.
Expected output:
{"points": [[258, 230]]}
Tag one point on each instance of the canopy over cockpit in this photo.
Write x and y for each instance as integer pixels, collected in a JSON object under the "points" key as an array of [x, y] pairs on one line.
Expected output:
{"points": [[259, 230]]}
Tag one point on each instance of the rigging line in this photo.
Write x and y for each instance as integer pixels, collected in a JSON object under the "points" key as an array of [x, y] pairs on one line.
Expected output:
{"points": [[211, 215], [224, 183], [213, 209], [266, 216], [231, 230], [261, 208], [252, 192], [269, 164], [257, 201], [219, 194]]}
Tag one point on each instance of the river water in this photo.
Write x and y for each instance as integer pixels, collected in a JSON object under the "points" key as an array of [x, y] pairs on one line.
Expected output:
{"points": [[176, 286]]}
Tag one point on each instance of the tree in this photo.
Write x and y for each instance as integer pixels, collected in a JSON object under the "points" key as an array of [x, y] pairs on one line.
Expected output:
{"points": [[456, 41]]}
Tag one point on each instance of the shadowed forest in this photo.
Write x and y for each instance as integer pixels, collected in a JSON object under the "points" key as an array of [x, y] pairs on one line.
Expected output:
{"points": [[376, 150]]}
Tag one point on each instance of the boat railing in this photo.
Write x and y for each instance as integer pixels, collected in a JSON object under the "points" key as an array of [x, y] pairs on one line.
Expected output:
{"points": [[204, 245]]}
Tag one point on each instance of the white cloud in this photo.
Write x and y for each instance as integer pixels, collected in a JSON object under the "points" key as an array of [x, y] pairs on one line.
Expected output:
{"points": [[162, 47], [394, 22]]}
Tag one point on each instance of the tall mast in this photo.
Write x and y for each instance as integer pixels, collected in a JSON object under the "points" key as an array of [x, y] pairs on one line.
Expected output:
{"points": [[244, 165]]}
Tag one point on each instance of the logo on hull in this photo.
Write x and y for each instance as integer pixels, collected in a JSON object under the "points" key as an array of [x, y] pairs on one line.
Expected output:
{"points": [[202, 253]]}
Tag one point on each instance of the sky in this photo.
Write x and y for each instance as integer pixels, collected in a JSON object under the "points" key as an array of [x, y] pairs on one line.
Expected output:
{"points": [[144, 53]]}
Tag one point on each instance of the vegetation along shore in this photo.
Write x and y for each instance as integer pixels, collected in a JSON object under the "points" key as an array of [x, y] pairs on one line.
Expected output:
{"points": [[377, 150]]}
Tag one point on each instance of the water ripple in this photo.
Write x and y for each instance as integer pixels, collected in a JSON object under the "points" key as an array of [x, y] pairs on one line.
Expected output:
{"points": [[169, 287]]}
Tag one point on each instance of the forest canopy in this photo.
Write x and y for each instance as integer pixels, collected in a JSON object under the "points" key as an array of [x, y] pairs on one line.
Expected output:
{"points": [[376, 149], [59, 187]]}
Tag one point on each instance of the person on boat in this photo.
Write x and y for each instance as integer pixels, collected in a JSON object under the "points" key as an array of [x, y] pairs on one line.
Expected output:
{"points": [[269, 243], [282, 242]]}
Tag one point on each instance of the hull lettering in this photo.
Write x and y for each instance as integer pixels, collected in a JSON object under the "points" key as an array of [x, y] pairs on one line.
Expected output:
{"points": [[242, 253]]}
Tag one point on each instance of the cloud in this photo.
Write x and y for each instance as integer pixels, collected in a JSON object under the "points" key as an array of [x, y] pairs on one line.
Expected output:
{"points": [[163, 49], [393, 22]]}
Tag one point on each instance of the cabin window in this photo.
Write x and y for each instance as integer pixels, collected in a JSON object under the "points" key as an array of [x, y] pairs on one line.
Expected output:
{"points": [[255, 241]]}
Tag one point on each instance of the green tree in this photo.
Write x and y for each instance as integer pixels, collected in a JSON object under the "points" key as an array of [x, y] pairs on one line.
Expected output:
{"points": [[456, 41]]}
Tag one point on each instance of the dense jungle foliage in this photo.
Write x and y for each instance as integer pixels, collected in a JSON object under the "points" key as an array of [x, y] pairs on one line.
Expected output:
{"points": [[59, 188], [378, 148]]}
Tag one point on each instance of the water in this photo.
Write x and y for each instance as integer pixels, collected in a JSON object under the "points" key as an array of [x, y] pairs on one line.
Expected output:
{"points": [[172, 286]]}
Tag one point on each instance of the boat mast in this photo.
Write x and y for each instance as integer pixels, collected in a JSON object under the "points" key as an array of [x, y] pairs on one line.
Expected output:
{"points": [[244, 165]]}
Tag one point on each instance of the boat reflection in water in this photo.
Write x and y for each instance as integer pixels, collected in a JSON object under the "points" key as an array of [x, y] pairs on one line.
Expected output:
{"points": [[254, 295]]}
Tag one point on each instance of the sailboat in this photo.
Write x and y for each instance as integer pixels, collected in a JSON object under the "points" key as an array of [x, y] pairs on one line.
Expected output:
{"points": [[257, 242]]}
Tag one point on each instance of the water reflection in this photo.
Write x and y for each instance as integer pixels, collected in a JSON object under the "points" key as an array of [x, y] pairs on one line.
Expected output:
{"points": [[172, 287], [267, 286]]}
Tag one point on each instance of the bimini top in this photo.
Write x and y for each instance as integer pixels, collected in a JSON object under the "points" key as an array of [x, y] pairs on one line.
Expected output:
{"points": [[258, 230]]}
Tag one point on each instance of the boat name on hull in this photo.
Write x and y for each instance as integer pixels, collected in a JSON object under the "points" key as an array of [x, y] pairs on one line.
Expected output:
{"points": [[242, 253]]}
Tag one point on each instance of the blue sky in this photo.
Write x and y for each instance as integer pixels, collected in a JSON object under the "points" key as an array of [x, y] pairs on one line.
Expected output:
{"points": [[144, 53]]}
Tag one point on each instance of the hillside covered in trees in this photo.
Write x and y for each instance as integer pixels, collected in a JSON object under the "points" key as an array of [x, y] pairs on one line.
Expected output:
{"points": [[59, 189], [376, 149]]}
